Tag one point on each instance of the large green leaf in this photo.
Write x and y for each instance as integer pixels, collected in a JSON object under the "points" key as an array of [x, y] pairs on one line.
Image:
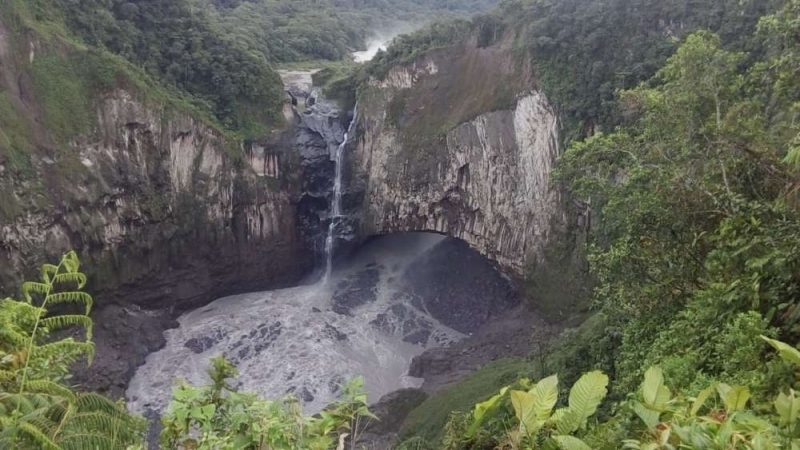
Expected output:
{"points": [[786, 351], [788, 407], [650, 417], [655, 394], [586, 395], [701, 399], [524, 404], [546, 396], [735, 398], [482, 408], [565, 420]]}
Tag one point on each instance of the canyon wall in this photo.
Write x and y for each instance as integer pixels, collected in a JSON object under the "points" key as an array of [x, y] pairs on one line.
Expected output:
{"points": [[166, 212], [460, 141]]}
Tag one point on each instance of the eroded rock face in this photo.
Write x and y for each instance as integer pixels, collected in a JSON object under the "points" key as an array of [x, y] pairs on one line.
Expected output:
{"points": [[485, 180], [166, 216], [319, 131]]}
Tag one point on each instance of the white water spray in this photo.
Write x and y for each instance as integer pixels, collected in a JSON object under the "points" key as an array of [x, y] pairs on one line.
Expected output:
{"points": [[336, 207], [307, 340]]}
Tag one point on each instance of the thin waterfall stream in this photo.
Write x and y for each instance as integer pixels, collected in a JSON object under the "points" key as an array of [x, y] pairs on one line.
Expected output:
{"points": [[336, 202]]}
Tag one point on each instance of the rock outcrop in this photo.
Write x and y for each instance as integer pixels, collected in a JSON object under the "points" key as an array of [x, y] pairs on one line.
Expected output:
{"points": [[460, 142], [319, 131]]}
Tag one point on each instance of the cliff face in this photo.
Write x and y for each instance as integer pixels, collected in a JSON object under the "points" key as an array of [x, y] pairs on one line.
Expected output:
{"points": [[166, 213], [461, 142]]}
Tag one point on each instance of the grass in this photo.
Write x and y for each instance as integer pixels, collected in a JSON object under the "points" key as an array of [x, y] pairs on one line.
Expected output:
{"points": [[62, 91], [16, 138], [428, 419]]}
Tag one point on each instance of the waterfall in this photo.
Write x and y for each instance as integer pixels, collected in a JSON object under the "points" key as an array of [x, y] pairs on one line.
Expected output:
{"points": [[336, 206]]}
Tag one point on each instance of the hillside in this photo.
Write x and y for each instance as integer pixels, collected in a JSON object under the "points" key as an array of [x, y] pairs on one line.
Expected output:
{"points": [[679, 140]]}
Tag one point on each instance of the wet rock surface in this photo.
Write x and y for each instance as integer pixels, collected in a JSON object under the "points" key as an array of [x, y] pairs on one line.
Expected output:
{"points": [[320, 131], [459, 287], [308, 340], [356, 290], [512, 333], [406, 321]]}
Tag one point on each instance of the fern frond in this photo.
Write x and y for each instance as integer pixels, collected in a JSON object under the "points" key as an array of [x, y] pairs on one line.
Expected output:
{"points": [[61, 322], [43, 424], [12, 336], [72, 278], [48, 272], [71, 261], [20, 402], [7, 375], [50, 388], [87, 441], [92, 402], [38, 437], [72, 297], [66, 346], [66, 349], [100, 422], [30, 287]]}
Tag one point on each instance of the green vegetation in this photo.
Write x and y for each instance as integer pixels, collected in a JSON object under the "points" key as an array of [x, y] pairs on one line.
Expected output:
{"points": [[61, 84], [533, 404], [696, 245], [428, 419], [174, 41], [684, 148], [15, 137], [299, 30], [38, 410], [693, 196], [575, 45], [219, 417], [719, 417]]}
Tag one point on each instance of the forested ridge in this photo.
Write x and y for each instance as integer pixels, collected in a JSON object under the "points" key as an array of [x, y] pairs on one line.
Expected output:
{"points": [[223, 53], [300, 30]]}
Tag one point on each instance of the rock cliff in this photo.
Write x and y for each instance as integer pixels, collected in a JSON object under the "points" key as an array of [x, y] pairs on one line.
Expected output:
{"points": [[461, 141], [166, 212]]}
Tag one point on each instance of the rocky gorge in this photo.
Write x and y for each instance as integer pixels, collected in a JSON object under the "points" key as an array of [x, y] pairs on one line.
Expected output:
{"points": [[169, 214]]}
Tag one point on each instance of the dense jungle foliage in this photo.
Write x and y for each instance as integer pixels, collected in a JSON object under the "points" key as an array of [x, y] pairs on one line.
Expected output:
{"points": [[584, 51], [174, 41], [288, 31]]}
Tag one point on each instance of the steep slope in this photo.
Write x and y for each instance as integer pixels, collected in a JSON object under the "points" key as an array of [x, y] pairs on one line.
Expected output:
{"points": [[462, 141], [465, 147], [442, 104], [167, 209], [461, 123]]}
